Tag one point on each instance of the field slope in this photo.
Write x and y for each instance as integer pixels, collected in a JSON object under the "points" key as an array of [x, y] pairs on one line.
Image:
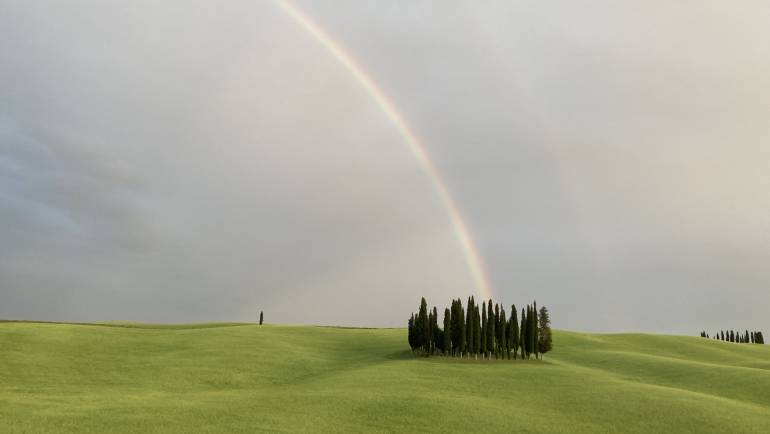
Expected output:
{"points": [[245, 378]]}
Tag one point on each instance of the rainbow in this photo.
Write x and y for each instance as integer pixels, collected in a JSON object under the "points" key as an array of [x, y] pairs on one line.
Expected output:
{"points": [[472, 256]]}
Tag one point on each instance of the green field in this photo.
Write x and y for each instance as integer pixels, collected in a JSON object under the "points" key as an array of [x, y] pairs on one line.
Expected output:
{"points": [[246, 378]]}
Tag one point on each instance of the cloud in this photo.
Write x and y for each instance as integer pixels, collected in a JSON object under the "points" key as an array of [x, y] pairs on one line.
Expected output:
{"points": [[190, 161]]}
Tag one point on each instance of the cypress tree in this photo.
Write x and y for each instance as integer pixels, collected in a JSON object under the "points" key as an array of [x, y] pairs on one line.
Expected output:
{"points": [[535, 329], [411, 332], [545, 343], [436, 331], [421, 325], [732, 336], [447, 331], [261, 317], [501, 336], [523, 334], [476, 331], [505, 348], [484, 328], [531, 325], [469, 326], [513, 331], [496, 346], [490, 329], [452, 328], [529, 332], [429, 342], [463, 330]]}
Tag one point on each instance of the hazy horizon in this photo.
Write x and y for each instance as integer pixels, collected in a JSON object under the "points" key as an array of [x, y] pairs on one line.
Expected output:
{"points": [[196, 161]]}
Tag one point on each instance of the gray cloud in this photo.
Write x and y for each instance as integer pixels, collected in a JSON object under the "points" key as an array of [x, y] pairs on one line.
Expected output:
{"points": [[186, 162]]}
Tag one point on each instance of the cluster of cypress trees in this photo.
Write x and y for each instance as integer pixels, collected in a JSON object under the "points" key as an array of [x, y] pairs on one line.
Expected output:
{"points": [[481, 330], [732, 336]]}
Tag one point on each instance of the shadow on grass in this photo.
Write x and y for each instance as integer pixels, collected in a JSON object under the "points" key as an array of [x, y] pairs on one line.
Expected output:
{"points": [[410, 355]]}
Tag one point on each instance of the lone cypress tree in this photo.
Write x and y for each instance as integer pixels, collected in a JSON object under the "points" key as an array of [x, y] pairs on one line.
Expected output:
{"points": [[545, 343], [513, 331], [261, 317]]}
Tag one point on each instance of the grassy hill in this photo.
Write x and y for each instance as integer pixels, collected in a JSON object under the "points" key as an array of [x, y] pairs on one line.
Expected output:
{"points": [[228, 377]]}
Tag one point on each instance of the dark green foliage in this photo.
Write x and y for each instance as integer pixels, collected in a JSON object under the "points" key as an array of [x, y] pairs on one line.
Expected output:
{"points": [[412, 338], [421, 325], [505, 348], [527, 334], [523, 334], [447, 342], [535, 330], [545, 343], [484, 330], [429, 342], [469, 326], [261, 317], [457, 319], [436, 335], [490, 329], [476, 330], [484, 327], [513, 331], [463, 330], [744, 337]]}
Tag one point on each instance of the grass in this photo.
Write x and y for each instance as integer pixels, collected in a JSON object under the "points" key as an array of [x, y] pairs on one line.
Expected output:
{"points": [[123, 377]]}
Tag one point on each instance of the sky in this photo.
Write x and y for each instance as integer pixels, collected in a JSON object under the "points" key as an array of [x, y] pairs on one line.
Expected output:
{"points": [[186, 161]]}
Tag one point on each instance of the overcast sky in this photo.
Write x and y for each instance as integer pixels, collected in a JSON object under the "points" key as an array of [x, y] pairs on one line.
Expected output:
{"points": [[193, 161]]}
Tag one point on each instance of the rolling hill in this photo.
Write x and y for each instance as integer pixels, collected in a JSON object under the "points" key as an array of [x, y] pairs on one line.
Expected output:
{"points": [[246, 378]]}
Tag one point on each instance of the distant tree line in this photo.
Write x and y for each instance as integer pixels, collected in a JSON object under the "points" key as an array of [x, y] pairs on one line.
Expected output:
{"points": [[481, 331], [732, 336]]}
